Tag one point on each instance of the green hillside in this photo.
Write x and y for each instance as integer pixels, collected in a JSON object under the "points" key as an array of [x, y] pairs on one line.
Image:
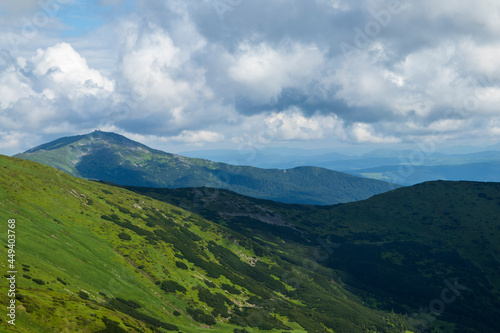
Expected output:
{"points": [[399, 251], [96, 258], [114, 158]]}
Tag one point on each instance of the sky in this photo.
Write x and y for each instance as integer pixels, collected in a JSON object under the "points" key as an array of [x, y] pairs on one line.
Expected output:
{"points": [[209, 74]]}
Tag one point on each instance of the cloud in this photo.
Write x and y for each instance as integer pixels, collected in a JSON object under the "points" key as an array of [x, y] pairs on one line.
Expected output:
{"points": [[198, 138], [286, 126], [266, 71], [263, 72], [20, 6], [364, 133], [54, 91], [63, 71]]}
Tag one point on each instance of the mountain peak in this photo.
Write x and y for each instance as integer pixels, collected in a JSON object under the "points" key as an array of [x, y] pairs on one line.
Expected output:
{"points": [[90, 138]]}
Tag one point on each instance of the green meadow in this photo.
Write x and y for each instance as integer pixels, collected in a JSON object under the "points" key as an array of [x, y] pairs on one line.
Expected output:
{"points": [[95, 258]]}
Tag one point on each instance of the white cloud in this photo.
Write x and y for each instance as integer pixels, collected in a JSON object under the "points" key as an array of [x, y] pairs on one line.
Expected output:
{"points": [[13, 87], [263, 71], [484, 13], [286, 126], [159, 79], [14, 141], [198, 138], [364, 133], [61, 69]]}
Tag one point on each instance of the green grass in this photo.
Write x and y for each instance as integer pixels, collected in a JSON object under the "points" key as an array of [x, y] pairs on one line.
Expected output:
{"points": [[78, 273]]}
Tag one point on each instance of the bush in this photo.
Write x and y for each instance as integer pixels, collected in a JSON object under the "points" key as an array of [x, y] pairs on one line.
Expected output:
{"points": [[124, 236], [112, 326], [172, 286], [83, 295], [38, 281], [181, 265], [230, 289], [201, 317], [130, 304], [216, 301], [210, 284], [62, 281], [130, 308]]}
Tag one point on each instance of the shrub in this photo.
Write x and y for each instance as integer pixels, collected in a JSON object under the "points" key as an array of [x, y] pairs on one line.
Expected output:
{"points": [[130, 304], [181, 265], [172, 286], [83, 295], [38, 281], [201, 317], [230, 289], [62, 281], [216, 301], [210, 284], [124, 236]]}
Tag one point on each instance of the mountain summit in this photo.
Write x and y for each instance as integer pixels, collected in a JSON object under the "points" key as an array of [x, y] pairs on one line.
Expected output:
{"points": [[114, 158]]}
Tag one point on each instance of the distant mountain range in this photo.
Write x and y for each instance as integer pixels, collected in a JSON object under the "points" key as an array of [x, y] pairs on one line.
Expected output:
{"points": [[114, 158], [405, 167]]}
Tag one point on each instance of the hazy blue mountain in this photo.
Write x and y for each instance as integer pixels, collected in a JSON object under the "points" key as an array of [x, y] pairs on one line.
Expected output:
{"points": [[381, 164], [409, 175], [281, 158]]}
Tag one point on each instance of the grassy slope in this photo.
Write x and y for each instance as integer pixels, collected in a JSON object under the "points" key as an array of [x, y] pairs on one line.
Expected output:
{"points": [[71, 243], [116, 159], [395, 250]]}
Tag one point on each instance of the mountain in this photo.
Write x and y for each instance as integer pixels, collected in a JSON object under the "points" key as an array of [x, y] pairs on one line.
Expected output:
{"points": [[410, 175], [281, 158], [430, 251], [404, 167], [114, 158], [95, 258]]}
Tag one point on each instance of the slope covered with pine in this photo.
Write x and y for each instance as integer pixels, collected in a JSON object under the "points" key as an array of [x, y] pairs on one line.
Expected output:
{"points": [[96, 258], [114, 158], [431, 251]]}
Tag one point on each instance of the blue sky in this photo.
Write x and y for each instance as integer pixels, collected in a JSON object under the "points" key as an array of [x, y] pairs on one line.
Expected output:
{"points": [[83, 17], [207, 74]]}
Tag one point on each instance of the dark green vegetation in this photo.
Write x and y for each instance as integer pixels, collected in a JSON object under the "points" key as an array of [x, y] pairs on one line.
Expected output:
{"points": [[96, 258], [114, 158], [431, 251]]}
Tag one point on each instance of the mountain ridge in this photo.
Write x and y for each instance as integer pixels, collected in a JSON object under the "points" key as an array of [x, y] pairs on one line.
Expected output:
{"points": [[114, 158], [396, 250], [389, 165]]}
